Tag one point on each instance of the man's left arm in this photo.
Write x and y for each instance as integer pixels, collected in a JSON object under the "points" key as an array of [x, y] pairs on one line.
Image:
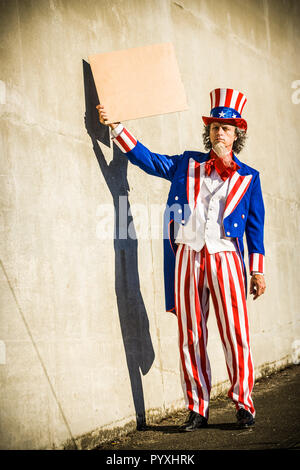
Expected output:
{"points": [[255, 239]]}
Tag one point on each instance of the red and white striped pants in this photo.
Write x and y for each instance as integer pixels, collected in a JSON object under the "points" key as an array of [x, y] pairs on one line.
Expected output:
{"points": [[197, 275]]}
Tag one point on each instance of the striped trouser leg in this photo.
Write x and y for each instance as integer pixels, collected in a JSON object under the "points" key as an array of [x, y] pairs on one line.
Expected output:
{"points": [[192, 302], [226, 284], [221, 274]]}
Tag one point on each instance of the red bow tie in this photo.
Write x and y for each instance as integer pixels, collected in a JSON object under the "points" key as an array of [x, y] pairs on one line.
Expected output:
{"points": [[216, 163]]}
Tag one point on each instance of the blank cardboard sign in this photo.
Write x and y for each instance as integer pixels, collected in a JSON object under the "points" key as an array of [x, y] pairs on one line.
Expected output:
{"points": [[138, 82]]}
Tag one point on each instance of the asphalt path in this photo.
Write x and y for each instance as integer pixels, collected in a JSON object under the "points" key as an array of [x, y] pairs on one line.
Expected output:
{"points": [[276, 398]]}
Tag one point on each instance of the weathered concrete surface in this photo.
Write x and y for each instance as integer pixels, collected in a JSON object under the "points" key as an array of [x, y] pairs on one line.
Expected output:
{"points": [[85, 342]]}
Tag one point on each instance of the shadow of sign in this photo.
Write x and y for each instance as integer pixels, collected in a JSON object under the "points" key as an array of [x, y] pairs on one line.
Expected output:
{"points": [[132, 312]]}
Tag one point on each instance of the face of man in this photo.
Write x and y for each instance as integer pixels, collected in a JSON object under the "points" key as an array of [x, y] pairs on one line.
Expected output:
{"points": [[222, 136]]}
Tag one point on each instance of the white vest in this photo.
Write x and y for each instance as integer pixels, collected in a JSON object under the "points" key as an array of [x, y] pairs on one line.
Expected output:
{"points": [[205, 223]]}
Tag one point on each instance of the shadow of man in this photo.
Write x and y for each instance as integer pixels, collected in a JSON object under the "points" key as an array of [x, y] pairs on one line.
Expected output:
{"points": [[132, 312]]}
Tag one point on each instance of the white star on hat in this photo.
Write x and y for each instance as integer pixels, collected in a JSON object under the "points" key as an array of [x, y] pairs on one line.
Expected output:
{"points": [[234, 115], [221, 114]]}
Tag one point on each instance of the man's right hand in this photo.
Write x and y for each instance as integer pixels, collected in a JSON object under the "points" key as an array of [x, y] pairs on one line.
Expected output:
{"points": [[103, 117]]}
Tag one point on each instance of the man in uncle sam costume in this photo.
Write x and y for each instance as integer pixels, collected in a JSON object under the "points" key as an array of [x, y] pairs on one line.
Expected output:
{"points": [[214, 199]]}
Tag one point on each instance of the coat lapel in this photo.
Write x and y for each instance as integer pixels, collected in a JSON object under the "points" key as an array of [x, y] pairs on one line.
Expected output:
{"points": [[237, 188], [195, 175]]}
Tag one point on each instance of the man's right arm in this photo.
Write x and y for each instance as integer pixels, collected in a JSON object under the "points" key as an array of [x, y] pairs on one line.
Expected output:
{"points": [[123, 138], [152, 163]]}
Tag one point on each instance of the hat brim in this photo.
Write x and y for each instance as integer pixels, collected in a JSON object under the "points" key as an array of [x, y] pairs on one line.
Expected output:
{"points": [[238, 122]]}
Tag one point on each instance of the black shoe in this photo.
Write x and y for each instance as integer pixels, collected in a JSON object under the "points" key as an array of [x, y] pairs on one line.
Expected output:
{"points": [[194, 422], [244, 418]]}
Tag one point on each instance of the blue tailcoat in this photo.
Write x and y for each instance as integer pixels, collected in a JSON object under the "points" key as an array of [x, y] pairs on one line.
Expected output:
{"points": [[245, 215]]}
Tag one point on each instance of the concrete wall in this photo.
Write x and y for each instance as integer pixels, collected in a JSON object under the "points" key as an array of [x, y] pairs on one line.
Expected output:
{"points": [[85, 342]]}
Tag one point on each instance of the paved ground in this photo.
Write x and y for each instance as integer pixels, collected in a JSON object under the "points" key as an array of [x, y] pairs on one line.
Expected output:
{"points": [[276, 398]]}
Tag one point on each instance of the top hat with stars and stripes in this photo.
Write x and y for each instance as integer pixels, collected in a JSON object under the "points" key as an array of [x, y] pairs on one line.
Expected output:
{"points": [[226, 107]]}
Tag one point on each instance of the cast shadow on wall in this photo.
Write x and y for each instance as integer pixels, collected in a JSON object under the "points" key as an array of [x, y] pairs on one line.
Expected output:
{"points": [[132, 312]]}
